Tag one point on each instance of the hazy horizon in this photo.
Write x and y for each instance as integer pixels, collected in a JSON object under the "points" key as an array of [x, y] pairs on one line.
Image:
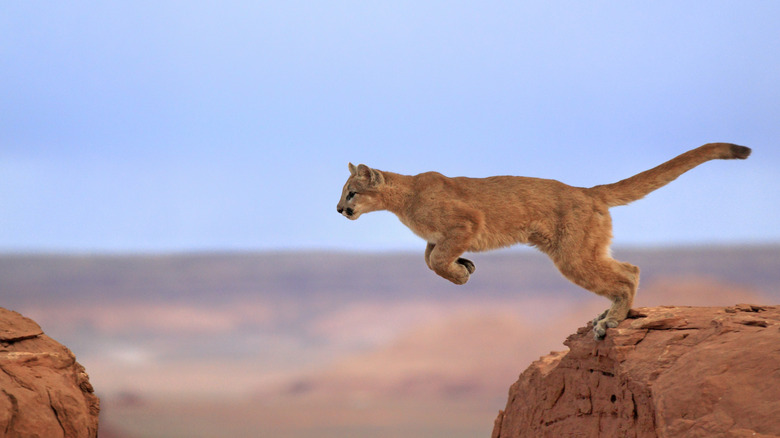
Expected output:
{"points": [[206, 252]]}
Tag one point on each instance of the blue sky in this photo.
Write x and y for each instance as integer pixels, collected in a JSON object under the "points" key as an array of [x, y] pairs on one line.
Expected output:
{"points": [[176, 126]]}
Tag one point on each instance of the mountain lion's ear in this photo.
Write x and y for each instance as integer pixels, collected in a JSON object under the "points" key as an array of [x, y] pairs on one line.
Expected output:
{"points": [[377, 178], [363, 172], [372, 176], [352, 169]]}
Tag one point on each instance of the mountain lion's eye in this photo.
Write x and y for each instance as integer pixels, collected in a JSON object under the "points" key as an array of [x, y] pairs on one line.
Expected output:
{"points": [[350, 195]]}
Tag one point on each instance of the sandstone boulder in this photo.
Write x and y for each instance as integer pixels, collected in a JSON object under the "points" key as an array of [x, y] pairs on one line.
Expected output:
{"points": [[44, 392], [664, 372]]}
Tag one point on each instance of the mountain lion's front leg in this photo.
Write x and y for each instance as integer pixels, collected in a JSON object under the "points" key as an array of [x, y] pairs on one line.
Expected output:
{"points": [[444, 257], [428, 251], [465, 262]]}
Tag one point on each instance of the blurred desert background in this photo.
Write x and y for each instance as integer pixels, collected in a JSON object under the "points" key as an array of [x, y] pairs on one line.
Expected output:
{"points": [[327, 344], [169, 173]]}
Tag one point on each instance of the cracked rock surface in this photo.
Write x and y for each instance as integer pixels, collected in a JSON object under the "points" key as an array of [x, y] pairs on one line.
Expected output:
{"points": [[663, 372], [44, 392]]}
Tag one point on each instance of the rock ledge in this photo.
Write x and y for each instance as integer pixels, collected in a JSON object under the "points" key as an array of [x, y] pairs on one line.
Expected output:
{"points": [[44, 392], [663, 372]]}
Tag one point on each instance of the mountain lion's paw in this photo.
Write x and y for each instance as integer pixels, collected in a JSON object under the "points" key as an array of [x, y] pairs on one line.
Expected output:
{"points": [[600, 328], [599, 317], [460, 274]]}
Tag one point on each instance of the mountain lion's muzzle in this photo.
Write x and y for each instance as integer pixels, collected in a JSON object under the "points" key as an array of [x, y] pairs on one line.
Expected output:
{"points": [[348, 212]]}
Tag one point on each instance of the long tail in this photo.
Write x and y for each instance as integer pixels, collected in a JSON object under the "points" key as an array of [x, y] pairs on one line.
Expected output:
{"points": [[641, 184]]}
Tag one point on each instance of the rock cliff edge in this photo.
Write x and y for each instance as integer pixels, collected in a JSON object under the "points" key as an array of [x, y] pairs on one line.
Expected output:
{"points": [[44, 392], [663, 372]]}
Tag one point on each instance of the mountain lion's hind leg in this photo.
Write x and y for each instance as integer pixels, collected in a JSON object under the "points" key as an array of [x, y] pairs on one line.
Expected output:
{"points": [[609, 278]]}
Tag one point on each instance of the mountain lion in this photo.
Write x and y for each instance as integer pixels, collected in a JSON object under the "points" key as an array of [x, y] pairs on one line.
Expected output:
{"points": [[572, 225]]}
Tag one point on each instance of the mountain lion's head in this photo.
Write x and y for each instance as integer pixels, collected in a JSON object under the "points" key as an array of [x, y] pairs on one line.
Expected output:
{"points": [[361, 194]]}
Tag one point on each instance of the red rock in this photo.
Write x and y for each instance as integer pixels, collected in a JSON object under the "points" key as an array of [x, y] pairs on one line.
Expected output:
{"points": [[664, 372], [44, 392]]}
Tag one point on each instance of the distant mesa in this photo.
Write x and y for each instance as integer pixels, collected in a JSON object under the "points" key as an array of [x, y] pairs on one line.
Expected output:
{"points": [[45, 392], [665, 371]]}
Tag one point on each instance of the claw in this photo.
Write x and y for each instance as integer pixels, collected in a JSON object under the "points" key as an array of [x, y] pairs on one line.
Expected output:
{"points": [[468, 264]]}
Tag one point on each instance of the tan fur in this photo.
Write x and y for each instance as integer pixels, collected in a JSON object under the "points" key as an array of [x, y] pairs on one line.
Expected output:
{"points": [[570, 224]]}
